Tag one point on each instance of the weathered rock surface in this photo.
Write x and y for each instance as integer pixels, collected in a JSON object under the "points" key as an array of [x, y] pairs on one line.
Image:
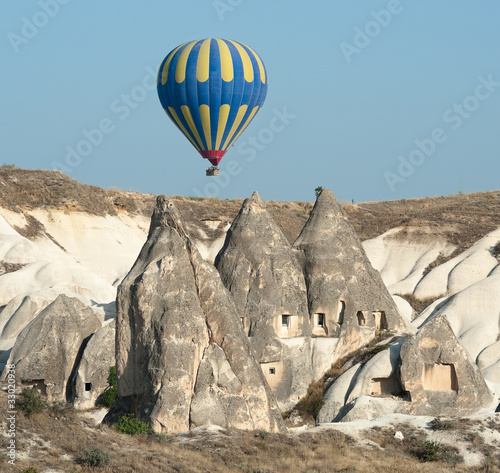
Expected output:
{"points": [[366, 391], [17, 314], [344, 292], [93, 371], [257, 265], [439, 374], [469, 267], [182, 355], [429, 373], [47, 351]]}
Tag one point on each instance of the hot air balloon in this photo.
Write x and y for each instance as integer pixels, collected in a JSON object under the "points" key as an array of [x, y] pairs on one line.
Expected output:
{"points": [[211, 89]]}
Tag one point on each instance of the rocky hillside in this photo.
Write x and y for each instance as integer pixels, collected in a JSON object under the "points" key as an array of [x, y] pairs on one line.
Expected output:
{"points": [[461, 219], [233, 312]]}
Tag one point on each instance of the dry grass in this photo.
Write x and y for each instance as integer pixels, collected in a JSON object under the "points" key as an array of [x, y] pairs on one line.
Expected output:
{"points": [[6, 267], [418, 305], [56, 440], [460, 219], [306, 410]]}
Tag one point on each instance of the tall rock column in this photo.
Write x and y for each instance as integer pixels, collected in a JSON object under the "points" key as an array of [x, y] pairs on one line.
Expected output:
{"points": [[347, 298], [182, 356], [258, 267]]}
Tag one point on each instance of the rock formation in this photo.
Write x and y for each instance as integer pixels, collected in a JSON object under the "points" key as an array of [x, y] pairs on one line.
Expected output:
{"points": [[367, 390], [92, 375], [182, 357], [347, 297], [257, 265], [47, 350], [429, 373], [439, 375]]}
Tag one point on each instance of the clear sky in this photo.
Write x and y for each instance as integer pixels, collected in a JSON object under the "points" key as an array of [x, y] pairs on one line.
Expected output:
{"points": [[378, 99]]}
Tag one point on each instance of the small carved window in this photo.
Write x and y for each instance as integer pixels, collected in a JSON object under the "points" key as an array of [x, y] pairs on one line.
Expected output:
{"points": [[272, 370], [88, 386]]}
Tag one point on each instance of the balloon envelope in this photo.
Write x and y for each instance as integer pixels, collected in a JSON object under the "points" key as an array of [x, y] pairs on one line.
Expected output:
{"points": [[211, 89]]}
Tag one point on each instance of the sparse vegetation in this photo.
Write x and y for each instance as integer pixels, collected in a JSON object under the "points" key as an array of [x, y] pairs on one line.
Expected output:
{"points": [[8, 166], [317, 191], [418, 305], [112, 379], [495, 250], [108, 397], [441, 424], [313, 401], [29, 470], [96, 457], [31, 401], [218, 452], [428, 452], [128, 424], [441, 259]]}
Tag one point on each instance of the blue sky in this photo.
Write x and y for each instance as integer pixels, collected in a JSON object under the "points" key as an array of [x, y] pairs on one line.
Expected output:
{"points": [[379, 99]]}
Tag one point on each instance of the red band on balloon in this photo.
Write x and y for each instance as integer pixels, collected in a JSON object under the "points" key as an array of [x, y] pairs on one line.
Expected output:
{"points": [[214, 156]]}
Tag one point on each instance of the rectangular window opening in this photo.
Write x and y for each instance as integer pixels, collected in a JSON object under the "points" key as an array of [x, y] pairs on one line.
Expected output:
{"points": [[88, 386], [272, 370]]}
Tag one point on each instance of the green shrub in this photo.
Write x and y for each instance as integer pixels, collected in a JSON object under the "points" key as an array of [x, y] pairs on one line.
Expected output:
{"points": [[262, 434], [31, 402], [439, 424], [429, 452], [95, 457], [29, 470], [108, 397], [8, 166], [317, 191], [128, 424], [313, 400], [112, 379]]}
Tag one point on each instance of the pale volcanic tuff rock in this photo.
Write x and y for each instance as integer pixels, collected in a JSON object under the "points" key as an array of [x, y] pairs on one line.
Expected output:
{"points": [[344, 291], [182, 355], [439, 374], [47, 350], [91, 378], [266, 283], [427, 374]]}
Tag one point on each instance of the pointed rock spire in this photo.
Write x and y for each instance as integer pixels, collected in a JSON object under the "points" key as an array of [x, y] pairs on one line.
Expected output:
{"points": [[182, 356], [343, 288], [439, 375], [266, 282]]}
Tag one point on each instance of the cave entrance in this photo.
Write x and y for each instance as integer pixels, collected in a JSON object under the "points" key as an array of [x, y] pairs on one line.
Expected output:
{"points": [[380, 320], [341, 312]]}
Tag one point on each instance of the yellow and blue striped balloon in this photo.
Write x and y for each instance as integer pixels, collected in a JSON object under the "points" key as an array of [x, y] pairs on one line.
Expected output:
{"points": [[211, 89]]}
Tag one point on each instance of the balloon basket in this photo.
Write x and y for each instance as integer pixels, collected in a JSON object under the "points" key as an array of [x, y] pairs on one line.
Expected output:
{"points": [[213, 171]]}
